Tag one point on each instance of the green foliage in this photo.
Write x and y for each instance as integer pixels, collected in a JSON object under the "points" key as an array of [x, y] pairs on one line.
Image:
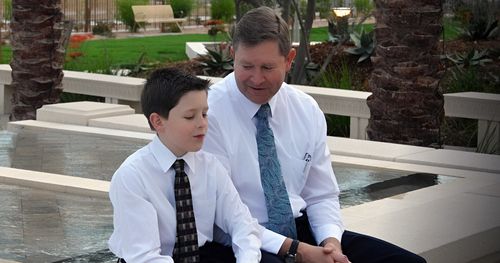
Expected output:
{"points": [[459, 132], [218, 61], [125, 13], [480, 21], [472, 58], [133, 69], [365, 44], [323, 7], [471, 72], [481, 28], [488, 144], [337, 78], [223, 9], [72, 97], [452, 29], [337, 125], [364, 7], [7, 13], [102, 29], [181, 8]]}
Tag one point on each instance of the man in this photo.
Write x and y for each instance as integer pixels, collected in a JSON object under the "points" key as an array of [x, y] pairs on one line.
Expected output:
{"points": [[272, 139]]}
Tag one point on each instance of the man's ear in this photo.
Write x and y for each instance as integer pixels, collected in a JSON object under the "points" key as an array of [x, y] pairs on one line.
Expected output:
{"points": [[289, 58], [231, 51], [155, 120]]}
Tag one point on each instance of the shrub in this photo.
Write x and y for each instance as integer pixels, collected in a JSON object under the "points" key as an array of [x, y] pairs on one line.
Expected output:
{"points": [[181, 8], [365, 44], [480, 22], [7, 13], [223, 9], [364, 7], [125, 13], [102, 29]]}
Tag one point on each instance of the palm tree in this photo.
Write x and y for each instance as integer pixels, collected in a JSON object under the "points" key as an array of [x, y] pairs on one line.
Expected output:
{"points": [[37, 55], [406, 104]]}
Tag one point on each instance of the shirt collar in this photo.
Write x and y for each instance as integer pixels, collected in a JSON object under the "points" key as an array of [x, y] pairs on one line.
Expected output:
{"points": [[247, 105], [166, 158]]}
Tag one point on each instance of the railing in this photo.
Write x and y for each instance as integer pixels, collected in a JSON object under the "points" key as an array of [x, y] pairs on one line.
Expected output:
{"points": [[473, 105], [86, 13]]}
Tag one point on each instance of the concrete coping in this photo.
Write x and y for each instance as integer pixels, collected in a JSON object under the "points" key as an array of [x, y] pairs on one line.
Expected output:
{"points": [[55, 182], [129, 122], [339, 146], [80, 112]]}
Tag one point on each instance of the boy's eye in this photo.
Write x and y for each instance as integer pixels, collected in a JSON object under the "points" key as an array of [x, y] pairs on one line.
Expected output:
{"points": [[204, 115], [189, 117]]}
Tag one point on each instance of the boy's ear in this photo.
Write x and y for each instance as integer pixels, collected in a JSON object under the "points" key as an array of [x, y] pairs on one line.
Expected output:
{"points": [[155, 120]]}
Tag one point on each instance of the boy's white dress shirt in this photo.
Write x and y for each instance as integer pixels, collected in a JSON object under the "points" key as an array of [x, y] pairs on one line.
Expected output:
{"points": [[144, 214]]}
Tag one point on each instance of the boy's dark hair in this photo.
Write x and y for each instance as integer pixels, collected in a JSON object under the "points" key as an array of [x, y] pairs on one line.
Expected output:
{"points": [[165, 87], [259, 25]]}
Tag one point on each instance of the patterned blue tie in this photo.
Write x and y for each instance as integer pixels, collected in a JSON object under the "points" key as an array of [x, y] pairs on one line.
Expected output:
{"points": [[279, 210]]}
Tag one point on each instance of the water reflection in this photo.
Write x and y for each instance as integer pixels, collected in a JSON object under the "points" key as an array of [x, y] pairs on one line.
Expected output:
{"points": [[388, 188]]}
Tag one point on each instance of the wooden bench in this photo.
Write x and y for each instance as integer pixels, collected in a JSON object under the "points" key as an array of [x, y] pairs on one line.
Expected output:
{"points": [[156, 14]]}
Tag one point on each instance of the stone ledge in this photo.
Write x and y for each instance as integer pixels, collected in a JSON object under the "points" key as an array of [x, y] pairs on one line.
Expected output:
{"points": [[80, 112], [55, 182], [129, 122]]}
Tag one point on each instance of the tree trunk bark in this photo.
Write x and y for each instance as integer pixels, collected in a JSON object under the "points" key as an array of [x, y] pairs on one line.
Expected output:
{"points": [[37, 55], [406, 104]]}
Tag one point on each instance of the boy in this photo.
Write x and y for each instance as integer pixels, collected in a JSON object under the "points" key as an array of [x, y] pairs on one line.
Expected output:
{"points": [[150, 217]]}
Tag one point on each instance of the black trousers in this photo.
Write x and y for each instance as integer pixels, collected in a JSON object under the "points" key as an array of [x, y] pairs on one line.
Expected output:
{"points": [[357, 247]]}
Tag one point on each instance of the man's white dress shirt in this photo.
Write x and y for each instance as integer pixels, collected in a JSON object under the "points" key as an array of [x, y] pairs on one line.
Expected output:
{"points": [[299, 129], [142, 194]]}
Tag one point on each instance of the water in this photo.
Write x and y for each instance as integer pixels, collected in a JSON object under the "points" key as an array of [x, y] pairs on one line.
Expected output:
{"points": [[44, 226], [359, 186]]}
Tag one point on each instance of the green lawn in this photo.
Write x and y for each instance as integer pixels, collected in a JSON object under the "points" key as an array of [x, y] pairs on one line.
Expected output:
{"points": [[101, 54], [105, 52]]}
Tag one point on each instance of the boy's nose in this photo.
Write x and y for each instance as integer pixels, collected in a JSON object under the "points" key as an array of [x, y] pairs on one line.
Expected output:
{"points": [[203, 122]]}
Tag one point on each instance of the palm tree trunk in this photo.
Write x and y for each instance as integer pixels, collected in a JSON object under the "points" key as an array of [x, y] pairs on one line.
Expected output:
{"points": [[406, 105], [38, 55]]}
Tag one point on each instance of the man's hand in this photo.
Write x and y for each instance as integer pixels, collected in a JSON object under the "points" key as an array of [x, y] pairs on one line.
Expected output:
{"points": [[331, 246], [313, 254]]}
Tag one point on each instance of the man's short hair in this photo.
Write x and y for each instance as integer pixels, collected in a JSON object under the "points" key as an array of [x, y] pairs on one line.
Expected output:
{"points": [[165, 87], [259, 25]]}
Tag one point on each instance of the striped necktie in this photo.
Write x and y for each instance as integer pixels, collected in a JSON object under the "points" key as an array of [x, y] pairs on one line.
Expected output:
{"points": [[186, 242], [279, 210]]}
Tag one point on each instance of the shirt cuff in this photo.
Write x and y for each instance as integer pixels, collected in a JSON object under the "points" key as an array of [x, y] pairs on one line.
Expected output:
{"points": [[271, 241], [248, 258], [327, 231]]}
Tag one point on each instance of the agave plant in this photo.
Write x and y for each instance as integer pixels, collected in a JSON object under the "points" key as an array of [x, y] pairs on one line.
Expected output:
{"points": [[472, 58], [217, 62], [365, 44], [465, 64], [481, 28]]}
